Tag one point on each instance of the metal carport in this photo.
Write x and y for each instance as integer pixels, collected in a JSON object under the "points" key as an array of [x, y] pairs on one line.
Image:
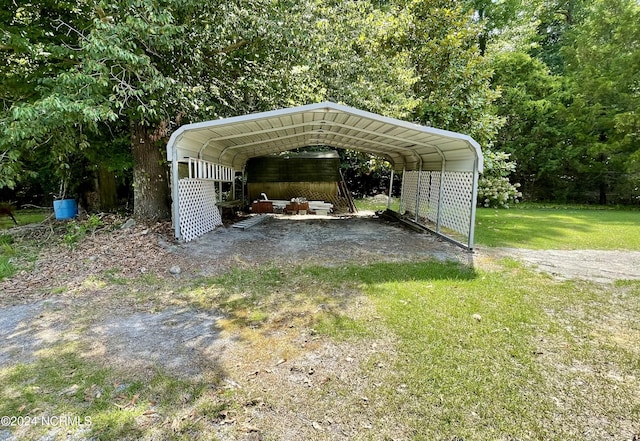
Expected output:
{"points": [[439, 168]]}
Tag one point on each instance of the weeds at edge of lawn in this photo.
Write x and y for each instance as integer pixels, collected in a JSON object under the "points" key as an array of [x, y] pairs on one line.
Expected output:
{"points": [[16, 254]]}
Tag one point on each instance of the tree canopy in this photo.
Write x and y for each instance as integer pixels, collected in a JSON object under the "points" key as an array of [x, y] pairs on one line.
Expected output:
{"points": [[549, 87]]}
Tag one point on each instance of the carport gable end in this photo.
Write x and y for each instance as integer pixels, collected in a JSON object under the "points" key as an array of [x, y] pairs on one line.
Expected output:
{"points": [[439, 192]]}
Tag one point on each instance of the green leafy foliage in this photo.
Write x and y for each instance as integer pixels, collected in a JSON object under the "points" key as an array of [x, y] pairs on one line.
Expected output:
{"points": [[602, 64], [356, 60], [553, 83], [531, 105], [571, 101], [78, 230], [148, 66], [453, 89], [367, 175]]}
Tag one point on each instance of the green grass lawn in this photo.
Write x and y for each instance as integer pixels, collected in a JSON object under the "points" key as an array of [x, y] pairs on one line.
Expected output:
{"points": [[23, 217], [490, 355], [7, 245], [537, 227], [7, 251], [370, 204]]}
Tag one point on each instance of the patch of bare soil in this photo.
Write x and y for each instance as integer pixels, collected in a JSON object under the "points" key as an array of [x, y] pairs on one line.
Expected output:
{"points": [[114, 275], [594, 395], [322, 240], [296, 384], [140, 249]]}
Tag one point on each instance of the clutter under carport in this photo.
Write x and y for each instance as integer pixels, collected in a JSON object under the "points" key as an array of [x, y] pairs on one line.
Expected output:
{"points": [[294, 206]]}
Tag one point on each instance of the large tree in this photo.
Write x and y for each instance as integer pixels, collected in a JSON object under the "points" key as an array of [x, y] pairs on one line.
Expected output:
{"points": [[453, 87], [354, 58], [34, 49], [531, 102], [602, 62], [150, 65]]}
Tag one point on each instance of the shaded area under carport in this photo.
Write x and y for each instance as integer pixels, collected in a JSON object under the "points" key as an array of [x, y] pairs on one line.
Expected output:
{"points": [[324, 240]]}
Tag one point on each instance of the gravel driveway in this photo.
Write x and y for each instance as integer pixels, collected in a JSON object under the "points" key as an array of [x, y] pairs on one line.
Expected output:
{"points": [[593, 265]]}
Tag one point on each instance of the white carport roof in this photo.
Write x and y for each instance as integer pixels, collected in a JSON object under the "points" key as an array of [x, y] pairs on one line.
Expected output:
{"points": [[232, 141]]}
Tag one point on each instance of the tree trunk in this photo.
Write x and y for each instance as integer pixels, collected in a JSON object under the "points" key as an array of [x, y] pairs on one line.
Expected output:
{"points": [[150, 175], [603, 193]]}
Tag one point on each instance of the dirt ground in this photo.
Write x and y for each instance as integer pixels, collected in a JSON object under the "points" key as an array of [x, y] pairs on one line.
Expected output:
{"points": [[324, 240], [185, 341], [61, 274]]}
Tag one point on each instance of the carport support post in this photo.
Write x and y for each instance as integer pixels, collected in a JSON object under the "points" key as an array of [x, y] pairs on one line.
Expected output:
{"points": [[390, 191], [440, 196], [419, 185], [402, 187], [233, 185], [474, 198], [176, 192], [244, 185]]}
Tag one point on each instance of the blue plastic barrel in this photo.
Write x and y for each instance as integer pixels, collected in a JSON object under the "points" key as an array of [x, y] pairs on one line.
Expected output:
{"points": [[65, 208]]}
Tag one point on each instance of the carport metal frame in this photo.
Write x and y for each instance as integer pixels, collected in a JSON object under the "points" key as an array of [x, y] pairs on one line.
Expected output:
{"points": [[435, 154]]}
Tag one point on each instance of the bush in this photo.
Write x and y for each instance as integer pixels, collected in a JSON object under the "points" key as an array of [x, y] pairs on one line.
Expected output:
{"points": [[494, 188]]}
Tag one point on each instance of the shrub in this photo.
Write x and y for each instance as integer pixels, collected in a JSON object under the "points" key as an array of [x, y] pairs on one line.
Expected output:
{"points": [[494, 188]]}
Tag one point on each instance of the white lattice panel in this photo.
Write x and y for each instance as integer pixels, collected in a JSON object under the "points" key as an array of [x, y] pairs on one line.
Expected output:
{"points": [[198, 211], [432, 191], [423, 194], [456, 207], [409, 191], [426, 196], [456, 198]]}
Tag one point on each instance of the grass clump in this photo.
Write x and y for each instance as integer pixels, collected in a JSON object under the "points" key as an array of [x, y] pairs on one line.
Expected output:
{"points": [[342, 327], [13, 250], [108, 404], [374, 204], [7, 251], [78, 230]]}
